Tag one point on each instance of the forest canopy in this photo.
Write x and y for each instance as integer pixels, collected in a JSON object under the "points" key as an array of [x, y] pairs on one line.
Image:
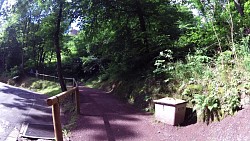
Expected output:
{"points": [[145, 48]]}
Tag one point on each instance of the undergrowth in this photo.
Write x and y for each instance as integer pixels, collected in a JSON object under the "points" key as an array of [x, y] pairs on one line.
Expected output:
{"points": [[46, 87], [49, 88], [214, 87]]}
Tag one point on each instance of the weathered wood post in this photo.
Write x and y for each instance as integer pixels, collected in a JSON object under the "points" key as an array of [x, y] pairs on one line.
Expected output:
{"points": [[77, 99], [57, 122], [73, 82], [36, 73], [54, 102]]}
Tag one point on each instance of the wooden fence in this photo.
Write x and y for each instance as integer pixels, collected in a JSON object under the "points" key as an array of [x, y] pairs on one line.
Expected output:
{"points": [[54, 101], [54, 78]]}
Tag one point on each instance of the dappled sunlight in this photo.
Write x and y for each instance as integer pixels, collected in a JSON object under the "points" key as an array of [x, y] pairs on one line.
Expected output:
{"points": [[21, 106], [103, 117]]}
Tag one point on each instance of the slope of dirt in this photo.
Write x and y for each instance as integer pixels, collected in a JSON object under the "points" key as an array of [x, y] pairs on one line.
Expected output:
{"points": [[105, 118]]}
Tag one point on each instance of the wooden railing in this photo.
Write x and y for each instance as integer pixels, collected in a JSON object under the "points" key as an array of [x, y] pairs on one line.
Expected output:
{"points": [[55, 77], [54, 101]]}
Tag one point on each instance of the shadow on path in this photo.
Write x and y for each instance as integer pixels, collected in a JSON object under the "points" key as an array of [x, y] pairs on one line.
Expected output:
{"points": [[105, 118], [22, 106]]}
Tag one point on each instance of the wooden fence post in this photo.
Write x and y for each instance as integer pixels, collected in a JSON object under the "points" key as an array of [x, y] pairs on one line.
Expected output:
{"points": [[77, 99], [36, 73], [54, 102], [57, 122]]}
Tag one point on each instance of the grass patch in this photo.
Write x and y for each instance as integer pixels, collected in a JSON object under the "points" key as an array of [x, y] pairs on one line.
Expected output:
{"points": [[51, 91], [46, 87], [92, 83]]}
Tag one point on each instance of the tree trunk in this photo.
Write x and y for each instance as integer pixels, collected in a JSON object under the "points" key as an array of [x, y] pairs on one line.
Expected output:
{"points": [[239, 7], [34, 48], [25, 40], [57, 47], [40, 55], [140, 15]]}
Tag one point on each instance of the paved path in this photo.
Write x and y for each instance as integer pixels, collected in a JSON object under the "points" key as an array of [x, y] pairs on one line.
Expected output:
{"points": [[103, 117], [18, 106]]}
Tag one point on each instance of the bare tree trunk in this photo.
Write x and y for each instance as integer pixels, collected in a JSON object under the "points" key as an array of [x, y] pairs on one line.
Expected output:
{"points": [[24, 43], [140, 15], [239, 7], [57, 47]]}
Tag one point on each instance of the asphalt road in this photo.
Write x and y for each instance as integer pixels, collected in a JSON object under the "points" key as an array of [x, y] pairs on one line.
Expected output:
{"points": [[18, 106]]}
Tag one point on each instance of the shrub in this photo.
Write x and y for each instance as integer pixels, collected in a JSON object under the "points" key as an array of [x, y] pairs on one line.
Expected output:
{"points": [[213, 86], [207, 106], [46, 87], [231, 104]]}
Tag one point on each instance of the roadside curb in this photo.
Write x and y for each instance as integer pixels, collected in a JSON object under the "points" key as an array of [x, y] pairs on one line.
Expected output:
{"points": [[13, 136]]}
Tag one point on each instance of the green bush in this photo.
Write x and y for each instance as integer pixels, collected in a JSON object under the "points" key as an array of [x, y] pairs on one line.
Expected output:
{"points": [[231, 104], [246, 63], [225, 58], [207, 106], [212, 86], [14, 71], [46, 87], [37, 85]]}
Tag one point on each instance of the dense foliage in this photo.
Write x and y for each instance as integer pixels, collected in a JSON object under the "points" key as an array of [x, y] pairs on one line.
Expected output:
{"points": [[139, 49]]}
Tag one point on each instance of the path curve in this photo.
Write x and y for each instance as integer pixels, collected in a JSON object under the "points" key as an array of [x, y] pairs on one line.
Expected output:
{"points": [[103, 117]]}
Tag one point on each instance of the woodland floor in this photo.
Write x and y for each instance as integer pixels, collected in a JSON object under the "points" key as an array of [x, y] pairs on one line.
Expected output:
{"points": [[103, 117]]}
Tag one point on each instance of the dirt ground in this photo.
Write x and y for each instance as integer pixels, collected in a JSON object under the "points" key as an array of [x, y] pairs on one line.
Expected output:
{"points": [[103, 117]]}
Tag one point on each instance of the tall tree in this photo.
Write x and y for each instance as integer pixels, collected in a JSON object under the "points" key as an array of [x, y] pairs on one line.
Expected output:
{"points": [[57, 45]]}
